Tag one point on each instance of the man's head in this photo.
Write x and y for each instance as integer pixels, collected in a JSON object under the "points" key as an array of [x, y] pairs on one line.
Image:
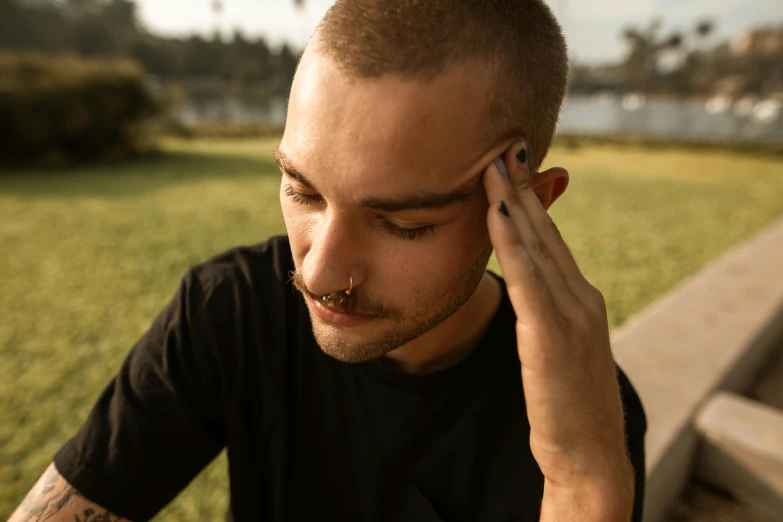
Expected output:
{"points": [[396, 109]]}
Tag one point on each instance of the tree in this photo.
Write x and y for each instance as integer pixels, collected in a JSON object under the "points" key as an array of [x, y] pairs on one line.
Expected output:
{"points": [[672, 63], [287, 60], [704, 28], [640, 66]]}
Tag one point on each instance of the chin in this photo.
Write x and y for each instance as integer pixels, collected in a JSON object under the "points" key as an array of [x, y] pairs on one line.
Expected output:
{"points": [[352, 348]]}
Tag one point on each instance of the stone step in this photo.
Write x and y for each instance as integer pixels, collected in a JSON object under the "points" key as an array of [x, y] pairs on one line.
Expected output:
{"points": [[742, 451], [770, 387], [704, 503], [714, 331]]}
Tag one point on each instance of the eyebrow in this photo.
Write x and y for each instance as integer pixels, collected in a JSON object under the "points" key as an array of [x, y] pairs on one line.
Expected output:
{"points": [[426, 201]]}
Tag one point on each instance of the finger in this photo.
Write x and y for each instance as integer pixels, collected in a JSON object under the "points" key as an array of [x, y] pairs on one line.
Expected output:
{"points": [[499, 189], [520, 177], [527, 288]]}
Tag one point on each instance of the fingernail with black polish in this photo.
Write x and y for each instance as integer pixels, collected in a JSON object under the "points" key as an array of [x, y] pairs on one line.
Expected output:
{"points": [[522, 156], [503, 209]]}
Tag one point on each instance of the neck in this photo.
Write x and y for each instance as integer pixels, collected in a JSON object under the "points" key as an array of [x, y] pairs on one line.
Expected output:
{"points": [[455, 338]]}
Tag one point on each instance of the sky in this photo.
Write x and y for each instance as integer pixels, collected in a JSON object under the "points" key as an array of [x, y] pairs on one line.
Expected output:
{"points": [[592, 27]]}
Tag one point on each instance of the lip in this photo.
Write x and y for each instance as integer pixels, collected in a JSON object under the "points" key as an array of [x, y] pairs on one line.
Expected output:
{"points": [[339, 318]]}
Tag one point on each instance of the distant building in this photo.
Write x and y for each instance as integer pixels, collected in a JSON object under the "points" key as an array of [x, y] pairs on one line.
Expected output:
{"points": [[767, 40]]}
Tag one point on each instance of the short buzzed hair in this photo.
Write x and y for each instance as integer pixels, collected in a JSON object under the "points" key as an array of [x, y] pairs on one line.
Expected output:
{"points": [[520, 40]]}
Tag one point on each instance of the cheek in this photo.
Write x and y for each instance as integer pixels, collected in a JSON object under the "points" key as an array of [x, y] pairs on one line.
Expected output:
{"points": [[298, 228], [469, 235], [436, 258], [407, 278], [290, 216], [476, 218], [422, 272]]}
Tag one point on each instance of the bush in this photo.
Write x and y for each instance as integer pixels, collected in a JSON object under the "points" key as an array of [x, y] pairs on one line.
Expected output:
{"points": [[70, 109]]}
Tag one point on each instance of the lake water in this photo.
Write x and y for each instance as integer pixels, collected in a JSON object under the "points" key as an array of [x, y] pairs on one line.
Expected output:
{"points": [[714, 119]]}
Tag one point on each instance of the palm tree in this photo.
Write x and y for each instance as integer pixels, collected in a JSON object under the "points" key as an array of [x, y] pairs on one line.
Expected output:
{"points": [[704, 28]]}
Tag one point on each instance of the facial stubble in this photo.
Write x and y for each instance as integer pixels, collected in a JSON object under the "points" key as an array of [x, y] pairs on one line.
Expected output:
{"points": [[404, 325]]}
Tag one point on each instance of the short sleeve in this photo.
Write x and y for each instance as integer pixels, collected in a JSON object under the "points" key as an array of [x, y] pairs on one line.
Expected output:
{"points": [[635, 430], [158, 422]]}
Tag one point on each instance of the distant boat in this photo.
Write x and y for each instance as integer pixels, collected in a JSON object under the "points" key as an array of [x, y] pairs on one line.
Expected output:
{"points": [[634, 102], [744, 106], [718, 104], [605, 98], [767, 111]]}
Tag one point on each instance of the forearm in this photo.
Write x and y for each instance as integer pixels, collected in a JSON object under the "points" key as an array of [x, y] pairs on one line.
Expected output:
{"points": [[53, 499], [611, 501]]}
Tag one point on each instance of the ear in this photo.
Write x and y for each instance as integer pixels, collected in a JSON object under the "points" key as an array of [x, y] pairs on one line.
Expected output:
{"points": [[550, 185]]}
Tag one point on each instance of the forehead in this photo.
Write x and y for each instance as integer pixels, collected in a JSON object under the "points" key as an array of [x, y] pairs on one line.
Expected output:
{"points": [[342, 130]]}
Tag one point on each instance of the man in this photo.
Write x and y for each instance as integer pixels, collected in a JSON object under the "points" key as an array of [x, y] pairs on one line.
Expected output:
{"points": [[403, 381]]}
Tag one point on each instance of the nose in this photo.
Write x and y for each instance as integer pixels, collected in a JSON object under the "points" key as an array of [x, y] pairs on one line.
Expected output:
{"points": [[333, 259]]}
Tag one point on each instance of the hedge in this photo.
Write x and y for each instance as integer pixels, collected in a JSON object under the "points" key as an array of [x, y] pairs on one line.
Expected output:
{"points": [[63, 108]]}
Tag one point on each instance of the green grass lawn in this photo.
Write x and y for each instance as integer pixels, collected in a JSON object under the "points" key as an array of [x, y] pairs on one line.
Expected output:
{"points": [[90, 255]]}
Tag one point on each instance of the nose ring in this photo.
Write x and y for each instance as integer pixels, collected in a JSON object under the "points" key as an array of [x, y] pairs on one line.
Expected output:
{"points": [[339, 301]]}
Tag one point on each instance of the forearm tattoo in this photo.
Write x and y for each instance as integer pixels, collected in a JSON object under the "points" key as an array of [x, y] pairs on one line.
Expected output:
{"points": [[53, 495]]}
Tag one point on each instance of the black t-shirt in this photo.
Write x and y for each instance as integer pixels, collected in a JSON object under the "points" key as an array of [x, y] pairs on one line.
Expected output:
{"points": [[232, 362]]}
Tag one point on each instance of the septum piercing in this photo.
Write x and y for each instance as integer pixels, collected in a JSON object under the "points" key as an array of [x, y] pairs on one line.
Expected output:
{"points": [[328, 298]]}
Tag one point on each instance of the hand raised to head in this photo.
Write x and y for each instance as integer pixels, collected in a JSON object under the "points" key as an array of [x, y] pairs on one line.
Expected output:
{"points": [[568, 372]]}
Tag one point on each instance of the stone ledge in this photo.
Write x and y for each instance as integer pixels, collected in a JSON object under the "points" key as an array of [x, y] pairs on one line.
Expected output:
{"points": [[713, 331], [743, 451], [769, 389]]}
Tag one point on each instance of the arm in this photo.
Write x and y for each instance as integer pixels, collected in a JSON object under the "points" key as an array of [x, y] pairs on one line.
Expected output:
{"points": [[153, 428], [617, 499], [621, 500], [574, 405], [54, 500], [589, 503]]}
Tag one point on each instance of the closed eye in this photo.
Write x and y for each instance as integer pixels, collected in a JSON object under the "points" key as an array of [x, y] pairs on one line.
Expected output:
{"points": [[406, 233], [396, 231], [298, 197]]}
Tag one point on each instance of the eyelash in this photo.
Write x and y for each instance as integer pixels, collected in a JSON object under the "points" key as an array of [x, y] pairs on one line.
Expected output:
{"points": [[402, 233], [298, 197]]}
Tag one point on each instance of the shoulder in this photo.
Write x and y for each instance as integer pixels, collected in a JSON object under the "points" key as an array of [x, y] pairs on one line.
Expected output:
{"points": [[263, 266], [247, 279], [270, 259], [240, 304]]}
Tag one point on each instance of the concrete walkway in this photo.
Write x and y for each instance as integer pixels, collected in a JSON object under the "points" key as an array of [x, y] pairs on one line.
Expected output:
{"points": [[703, 501], [714, 331]]}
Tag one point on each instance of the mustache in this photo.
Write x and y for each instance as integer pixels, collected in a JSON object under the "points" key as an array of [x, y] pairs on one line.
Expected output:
{"points": [[355, 303]]}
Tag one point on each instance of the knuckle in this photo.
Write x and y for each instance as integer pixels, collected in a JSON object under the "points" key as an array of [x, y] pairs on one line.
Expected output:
{"points": [[533, 272], [522, 183], [556, 232], [600, 301], [518, 249], [580, 322], [524, 258], [596, 299], [540, 248]]}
